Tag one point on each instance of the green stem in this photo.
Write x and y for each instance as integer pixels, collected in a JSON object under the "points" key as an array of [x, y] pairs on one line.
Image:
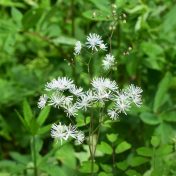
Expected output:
{"points": [[34, 155]]}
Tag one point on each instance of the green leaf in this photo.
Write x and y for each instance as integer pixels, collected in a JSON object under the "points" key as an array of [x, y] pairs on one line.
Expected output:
{"points": [[122, 147], [64, 40], [137, 161], [149, 118], [20, 158], [132, 172], [44, 129], [103, 5], [164, 150], [27, 112], [145, 151], [106, 167], [162, 90], [16, 15], [105, 148], [112, 137], [168, 116], [43, 115], [123, 165], [31, 18], [86, 167], [155, 141]]}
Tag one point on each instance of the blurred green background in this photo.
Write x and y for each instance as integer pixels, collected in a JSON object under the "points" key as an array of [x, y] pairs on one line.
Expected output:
{"points": [[37, 38]]}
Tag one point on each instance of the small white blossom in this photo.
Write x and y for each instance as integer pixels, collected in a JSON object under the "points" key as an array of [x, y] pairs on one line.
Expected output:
{"points": [[94, 41], [71, 110], [76, 91], [108, 61], [57, 100], [42, 101], [103, 46], [113, 114], [102, 95], [102, 84], [63, 132], [86, 100], [122, 103], [134, 93], [80, 137], [77, 48], [60, 84]]}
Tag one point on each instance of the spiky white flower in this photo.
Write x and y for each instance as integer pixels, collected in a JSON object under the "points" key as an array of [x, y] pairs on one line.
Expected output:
{"points": [[80, 137], [71, 110], [122, 103], [60, 84], [63, 132], [134, 93], [77, 48], [103, 46], [59, 132], [76, 91], [42, 101], [94, 41], [86, 100], [102, 95], [108, 61], [68, 100], [57, 100], [113, 114], [102, 84]]}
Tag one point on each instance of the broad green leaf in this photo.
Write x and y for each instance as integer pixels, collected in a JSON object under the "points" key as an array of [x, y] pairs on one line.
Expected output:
{"points": [[137, 161], [16, 15], [105, 174], [122, 165], [81, 120], [27, 112], [145, 151], [168, 116], [164, 150], [103, 5], [162, 90], [23, 159], [105, 148], [169, 22], [112, 137], [150, 118], [165, 131], [31, 18], [122, 147], [107, 168], [64, 40], [86, 167], [34, 126], [155, 141], [132, 172], [44, 129], [43, 115]]}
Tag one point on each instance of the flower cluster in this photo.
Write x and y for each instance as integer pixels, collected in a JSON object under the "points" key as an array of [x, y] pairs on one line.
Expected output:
{"points": [[63, 132], [63, 93]]}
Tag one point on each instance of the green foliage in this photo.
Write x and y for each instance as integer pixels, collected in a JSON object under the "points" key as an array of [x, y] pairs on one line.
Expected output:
{"points": [[36, 43]]}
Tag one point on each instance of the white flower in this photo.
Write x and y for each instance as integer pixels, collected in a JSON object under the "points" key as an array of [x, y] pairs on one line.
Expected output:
{"points": [[113, 114], [63, 132], [86, 100], [42, 101], [94, 41], [56, 100], [102, 95], [71, 110], [68, 100], [60, 84], [59, 132], [80, 137], [134, 93], [103, 46], [108, 61], [76, 91], [122, 103], [102, 84], [77, 48]]}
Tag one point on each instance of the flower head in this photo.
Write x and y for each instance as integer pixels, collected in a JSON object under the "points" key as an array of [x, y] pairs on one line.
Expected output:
{"points": [[42, 101], [77, 48], [108, 61], [94, 41], [113, 114], [57, 100]]}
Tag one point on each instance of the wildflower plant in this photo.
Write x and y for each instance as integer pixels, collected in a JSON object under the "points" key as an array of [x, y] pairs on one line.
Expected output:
{"points": [[103, 94]]}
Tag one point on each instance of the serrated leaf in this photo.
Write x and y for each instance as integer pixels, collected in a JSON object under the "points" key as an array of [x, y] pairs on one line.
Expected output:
{"points": [[122, 147]]}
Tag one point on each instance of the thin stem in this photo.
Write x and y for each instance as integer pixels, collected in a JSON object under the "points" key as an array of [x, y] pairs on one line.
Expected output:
{"points": [[34, 155]]}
